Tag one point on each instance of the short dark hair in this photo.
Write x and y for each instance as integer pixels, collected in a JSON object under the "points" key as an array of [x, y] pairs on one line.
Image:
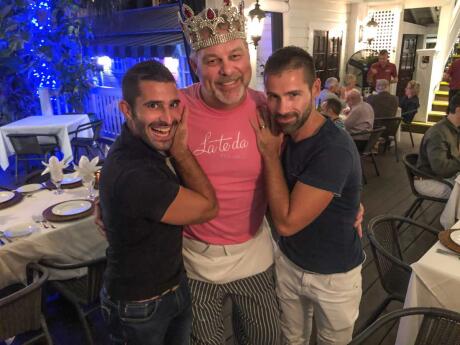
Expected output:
{"points": [[291, 58], [148, 70], [383, 52], [334, 104], [454, 103]]}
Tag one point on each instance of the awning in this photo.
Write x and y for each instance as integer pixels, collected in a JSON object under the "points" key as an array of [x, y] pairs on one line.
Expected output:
{"points": [[145, 32]]}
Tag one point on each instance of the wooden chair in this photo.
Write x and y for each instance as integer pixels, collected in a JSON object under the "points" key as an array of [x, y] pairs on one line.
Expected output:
{"points": [[83, 292], [438, 326], [391, 125], [21, 309], [88, 144], [367, 150], [393, 268], [410, 163], [32, 147]]}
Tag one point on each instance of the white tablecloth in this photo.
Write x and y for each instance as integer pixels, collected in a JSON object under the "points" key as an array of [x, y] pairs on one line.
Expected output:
{"points": [[60, 125], [70, 242], [435, 282], [451, 211]]}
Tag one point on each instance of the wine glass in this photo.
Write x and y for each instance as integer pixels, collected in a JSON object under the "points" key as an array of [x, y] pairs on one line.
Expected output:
{"points": [[88, 182], [57, 180]]}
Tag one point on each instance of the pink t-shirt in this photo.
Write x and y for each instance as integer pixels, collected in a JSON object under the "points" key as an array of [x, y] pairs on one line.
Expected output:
{"points": [[224, 144]]}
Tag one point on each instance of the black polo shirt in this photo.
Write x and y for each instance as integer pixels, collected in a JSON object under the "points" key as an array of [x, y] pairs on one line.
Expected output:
{"points": [[329, 161], [144, 257]]}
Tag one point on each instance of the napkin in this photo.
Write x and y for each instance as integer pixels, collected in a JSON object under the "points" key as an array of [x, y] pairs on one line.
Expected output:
{"points": [[55, 167], [86, 168]]}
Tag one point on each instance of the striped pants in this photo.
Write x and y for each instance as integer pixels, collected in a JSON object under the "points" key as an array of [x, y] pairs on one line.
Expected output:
{"points": [[255, 311]]}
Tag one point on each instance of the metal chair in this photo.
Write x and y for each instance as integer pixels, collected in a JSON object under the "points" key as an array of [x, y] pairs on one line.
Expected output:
{"points": [[409, 117], [32, 147], [391, 125], [367, 149], [83, 292], [410, 162], [393, 268], [88, 144], [21, 309], [438, 326]]}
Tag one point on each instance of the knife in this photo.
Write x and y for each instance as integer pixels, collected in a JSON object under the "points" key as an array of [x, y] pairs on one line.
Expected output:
{"points": [[442, 251]]}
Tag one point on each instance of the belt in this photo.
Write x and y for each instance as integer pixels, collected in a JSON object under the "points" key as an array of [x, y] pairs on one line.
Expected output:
{"points": [[174, 288]]}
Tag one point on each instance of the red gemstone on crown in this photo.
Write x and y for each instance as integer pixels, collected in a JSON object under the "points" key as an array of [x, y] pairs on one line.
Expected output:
{"points": [[188, 13], [227, 2], [210, 14]]}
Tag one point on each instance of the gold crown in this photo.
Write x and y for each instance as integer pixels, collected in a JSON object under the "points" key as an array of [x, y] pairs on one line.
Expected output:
{"points": [[201, 30]]}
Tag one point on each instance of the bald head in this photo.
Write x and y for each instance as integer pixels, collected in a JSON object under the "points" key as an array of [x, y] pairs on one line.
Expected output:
{"points": [[354, 97]]}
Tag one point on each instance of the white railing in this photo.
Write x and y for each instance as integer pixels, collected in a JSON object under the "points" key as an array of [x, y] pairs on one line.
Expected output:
{"points": [[104, 103]]}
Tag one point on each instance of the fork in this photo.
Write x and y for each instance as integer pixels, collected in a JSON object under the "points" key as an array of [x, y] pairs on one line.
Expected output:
{"points": [[40, 220], [442, 251]]}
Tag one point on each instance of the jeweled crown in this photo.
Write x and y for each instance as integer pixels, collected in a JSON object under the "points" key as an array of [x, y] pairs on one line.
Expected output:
{"points": [[213, 26]]}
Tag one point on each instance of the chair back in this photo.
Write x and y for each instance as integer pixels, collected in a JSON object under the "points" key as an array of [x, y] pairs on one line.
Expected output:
{"points": [[28, 144], [410, 163], [95, 126], [21, 311], [438, 326], [88, 292], [391, 125], [384, 237], [374, 136]]}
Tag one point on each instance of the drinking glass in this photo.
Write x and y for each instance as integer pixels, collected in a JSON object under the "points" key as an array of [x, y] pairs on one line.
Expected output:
{"points": [[57, 182], [88, 182]]}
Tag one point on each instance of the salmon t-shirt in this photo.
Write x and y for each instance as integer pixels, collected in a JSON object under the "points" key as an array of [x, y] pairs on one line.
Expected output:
{"points": [[224, 143]]}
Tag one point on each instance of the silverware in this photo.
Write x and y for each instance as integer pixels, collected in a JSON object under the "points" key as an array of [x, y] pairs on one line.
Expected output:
{"points": [[40, 220], [442, 251]]}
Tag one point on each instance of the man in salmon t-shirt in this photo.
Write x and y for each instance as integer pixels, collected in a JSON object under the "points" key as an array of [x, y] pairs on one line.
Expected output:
{"points": [[230, 256]]}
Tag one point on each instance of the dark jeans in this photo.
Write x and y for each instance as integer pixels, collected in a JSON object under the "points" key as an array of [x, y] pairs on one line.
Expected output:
{"points": [[164, 321]]}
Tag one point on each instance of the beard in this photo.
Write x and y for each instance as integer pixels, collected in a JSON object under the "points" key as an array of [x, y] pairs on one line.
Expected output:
{"points": [[291, 128], [147, 135]]}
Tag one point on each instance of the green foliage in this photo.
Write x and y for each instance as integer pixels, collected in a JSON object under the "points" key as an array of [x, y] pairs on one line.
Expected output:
{"points": [[23, 49], [17, 90], [73, 68]]}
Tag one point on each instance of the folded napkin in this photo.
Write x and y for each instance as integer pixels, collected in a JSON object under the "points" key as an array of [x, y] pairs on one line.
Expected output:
{"points": [[86, 168], [55, 167]]}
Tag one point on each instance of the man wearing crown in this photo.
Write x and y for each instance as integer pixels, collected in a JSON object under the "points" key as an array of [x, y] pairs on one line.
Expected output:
{"points": [[230, 256]]}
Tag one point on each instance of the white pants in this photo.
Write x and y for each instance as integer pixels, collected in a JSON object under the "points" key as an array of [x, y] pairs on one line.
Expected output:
{"points": [[332, 298], [433, 188]]}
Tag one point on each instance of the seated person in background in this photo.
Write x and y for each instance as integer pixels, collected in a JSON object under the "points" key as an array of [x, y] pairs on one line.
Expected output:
{"points": [[384, 104], [331, 89], [409, 102], [360, 118], [349, 83], [439, 153], [332, 108]]}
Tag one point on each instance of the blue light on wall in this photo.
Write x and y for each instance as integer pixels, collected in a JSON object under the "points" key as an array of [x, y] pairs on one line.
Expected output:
{"points": [[41, 29]]}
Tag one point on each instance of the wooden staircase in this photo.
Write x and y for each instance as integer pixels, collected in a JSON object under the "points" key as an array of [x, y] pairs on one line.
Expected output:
{"points": [[438, 111]]}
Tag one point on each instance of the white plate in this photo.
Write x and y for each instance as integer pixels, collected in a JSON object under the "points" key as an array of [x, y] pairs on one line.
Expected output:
{"points": [[5, 196], [20, 230], [69, 208], [70, 178], [29, 188], [455, 236]]}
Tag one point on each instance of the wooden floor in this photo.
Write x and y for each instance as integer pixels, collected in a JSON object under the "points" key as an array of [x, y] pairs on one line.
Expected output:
{"points": [[387, 194]]}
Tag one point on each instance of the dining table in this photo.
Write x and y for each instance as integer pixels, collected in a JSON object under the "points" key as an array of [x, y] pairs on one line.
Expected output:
{"points": [[434, 282], [60, 125], [68, 241], [451, 212]]}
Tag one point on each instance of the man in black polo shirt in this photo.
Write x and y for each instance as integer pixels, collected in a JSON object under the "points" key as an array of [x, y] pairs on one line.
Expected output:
{"points": [[313, 194], [146, 299]]}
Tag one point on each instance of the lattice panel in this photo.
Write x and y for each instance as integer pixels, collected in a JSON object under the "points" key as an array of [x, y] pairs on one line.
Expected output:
{"points": [[387, 24]]}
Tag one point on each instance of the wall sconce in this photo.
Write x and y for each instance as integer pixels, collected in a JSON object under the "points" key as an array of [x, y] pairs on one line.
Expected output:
{"points": [[256, 23], [371, 30]]}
